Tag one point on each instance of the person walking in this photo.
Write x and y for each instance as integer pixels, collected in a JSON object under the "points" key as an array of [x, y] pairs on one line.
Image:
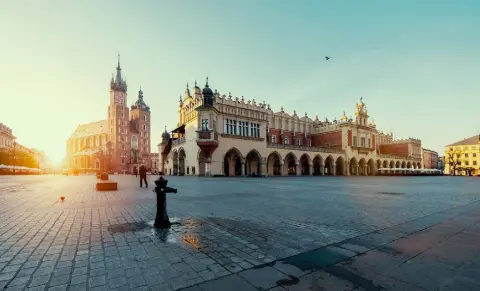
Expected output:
{"points": [[143, 176]]}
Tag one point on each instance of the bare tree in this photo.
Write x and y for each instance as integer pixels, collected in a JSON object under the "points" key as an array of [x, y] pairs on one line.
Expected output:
{"points": [[453, 160]]}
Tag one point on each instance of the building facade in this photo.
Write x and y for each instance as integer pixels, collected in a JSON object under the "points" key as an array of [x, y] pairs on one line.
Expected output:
{"points": [[441, 163], [463, 157], [430, 159], [220, 135], [6, 138], [119, 143], [154, 160]]}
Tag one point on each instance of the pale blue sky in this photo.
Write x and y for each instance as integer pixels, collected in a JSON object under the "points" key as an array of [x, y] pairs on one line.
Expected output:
{"points": [[415, 62]]}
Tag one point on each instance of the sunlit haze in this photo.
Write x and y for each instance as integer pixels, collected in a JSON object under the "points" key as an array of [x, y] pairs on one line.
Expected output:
{"points": [[414, 62]]}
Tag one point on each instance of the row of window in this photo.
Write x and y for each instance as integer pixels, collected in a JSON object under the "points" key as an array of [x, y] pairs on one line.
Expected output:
{"points": [[467, 163], [286, 141], [242, 128], [5, 142], [364, 142]]}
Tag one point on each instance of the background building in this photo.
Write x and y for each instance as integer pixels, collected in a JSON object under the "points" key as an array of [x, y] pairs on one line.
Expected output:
{"points": [[224, 135], [119, 143], [441, 163], [154, 162], [463, 157], [430, 159]]}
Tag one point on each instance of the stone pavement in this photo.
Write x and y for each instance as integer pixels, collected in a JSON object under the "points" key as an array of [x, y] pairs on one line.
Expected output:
{"points": [[295, 233]]}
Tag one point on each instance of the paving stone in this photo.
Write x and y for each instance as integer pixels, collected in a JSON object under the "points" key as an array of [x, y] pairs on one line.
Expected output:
{"points": [[97, 281], [231, 283], [264, 278]]}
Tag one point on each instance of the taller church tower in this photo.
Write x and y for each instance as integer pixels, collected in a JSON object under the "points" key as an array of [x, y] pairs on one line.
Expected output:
{"points": [[118, 122]]}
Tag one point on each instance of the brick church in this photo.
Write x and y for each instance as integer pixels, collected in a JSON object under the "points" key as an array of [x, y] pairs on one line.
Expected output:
{"points": [[120, 143]]}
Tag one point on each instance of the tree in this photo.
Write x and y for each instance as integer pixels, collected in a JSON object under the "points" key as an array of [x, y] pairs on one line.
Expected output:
{"points": [[453, 160]]}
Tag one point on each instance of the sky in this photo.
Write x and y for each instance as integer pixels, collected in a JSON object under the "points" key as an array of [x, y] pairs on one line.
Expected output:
{"points": [[414, 62]]}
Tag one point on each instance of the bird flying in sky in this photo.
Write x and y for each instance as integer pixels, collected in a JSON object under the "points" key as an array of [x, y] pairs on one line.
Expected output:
{"points": [[327, 58]]}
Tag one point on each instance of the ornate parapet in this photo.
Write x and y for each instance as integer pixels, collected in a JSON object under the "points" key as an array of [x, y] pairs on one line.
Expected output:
{"points": [[382, 156], [302, 148], [178, 141]]}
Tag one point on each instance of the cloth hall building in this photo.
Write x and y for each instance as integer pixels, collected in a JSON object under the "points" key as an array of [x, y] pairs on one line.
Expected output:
{"points": [[220, 135], [119, 143]]}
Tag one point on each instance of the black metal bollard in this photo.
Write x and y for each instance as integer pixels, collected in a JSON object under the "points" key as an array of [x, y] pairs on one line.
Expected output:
{"points": [[161, 219]]}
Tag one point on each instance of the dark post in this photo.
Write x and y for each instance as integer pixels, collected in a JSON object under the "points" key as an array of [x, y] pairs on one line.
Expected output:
{"points": [[161, 220]]}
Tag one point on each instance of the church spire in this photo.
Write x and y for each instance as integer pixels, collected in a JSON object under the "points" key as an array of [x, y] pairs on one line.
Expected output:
{"points": [[119, 83]]}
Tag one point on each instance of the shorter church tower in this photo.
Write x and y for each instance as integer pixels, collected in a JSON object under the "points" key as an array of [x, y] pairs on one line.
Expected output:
{"points": [[140, 127]]}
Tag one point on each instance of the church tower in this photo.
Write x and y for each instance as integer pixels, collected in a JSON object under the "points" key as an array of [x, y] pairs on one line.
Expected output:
{"points": [[140, 120], [118, 122]]}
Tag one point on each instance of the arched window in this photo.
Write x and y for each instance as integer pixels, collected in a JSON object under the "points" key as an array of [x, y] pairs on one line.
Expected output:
{"points": [[274, 139], [285, 140], [144, 118], [298, 141], [134, 142]]}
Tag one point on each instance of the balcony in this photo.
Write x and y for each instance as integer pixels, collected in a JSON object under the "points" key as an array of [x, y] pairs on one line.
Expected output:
{"points": [[206, 136], [179, 141], [207, 141]]}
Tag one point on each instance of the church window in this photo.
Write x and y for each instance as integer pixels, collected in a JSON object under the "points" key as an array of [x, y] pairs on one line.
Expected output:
{"points": [[298, 141], [188, 170], [274, 139], [309, 142], [193, 170], [285, 140]]}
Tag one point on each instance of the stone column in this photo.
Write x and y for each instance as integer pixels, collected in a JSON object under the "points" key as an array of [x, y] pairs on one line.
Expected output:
{"points": [[298, 169], [322, 170], [282, 170], [347, 168], [334, 167], [310, 169], [242, 168], [365, 173]]}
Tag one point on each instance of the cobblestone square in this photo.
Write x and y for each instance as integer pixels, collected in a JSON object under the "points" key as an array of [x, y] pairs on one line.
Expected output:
{"points": [[286, 233]]}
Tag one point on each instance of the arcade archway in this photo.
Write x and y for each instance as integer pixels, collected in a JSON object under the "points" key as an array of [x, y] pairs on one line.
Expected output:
{"points": [[273, 164], [181, 162], [317, 165], [353, 167], [340, 166], [252, 163], [290, 164], [232, 163], [305, 164], [329, 170]]}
